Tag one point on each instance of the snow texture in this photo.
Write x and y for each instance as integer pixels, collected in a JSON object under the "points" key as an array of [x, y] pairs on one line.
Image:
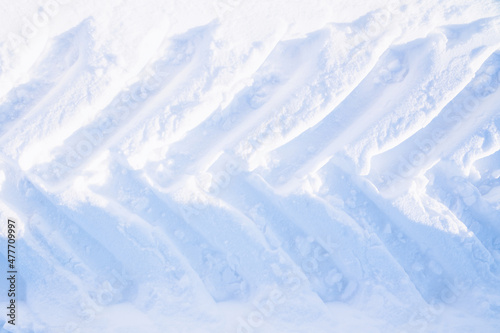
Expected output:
{"points": [[237, 166]]}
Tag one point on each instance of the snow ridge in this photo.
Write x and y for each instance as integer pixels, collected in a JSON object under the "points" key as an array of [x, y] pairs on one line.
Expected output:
{"points": [[328, 168]]}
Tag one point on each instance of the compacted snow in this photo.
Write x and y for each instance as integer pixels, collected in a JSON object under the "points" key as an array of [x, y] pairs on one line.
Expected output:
{"points": [[237, 166]]}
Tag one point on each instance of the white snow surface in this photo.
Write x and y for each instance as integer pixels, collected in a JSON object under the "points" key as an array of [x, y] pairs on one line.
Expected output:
{"points": [[239, 166]]}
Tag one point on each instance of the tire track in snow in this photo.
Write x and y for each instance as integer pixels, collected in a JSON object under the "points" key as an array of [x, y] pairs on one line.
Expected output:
{"points": [[63, 99], [128, 109], [338, 75], [331, 280], [247, 234], [274, 84], [45, 84], [40, 207], [249, 108], [464, 202], [444, 135], [427, 268], [58, 246], [217, 269], [439, 82]]}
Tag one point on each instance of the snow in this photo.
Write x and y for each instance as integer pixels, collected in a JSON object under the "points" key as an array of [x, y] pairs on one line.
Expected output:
{"points": [[251, 166]]}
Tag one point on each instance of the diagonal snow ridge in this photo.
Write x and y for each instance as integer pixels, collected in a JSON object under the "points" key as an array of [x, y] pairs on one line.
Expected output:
{"points": [[236, 166]]}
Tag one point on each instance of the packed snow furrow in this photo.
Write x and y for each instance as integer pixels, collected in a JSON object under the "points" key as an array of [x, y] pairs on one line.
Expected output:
{"points": [[416, 255], [488, 185], [218, 223], [334, 273], [64, 103], [133, 243], [193, 103], [460, 246], [45, 84], [44, 215], [377, 94], [242, 243], [143, 251], [52, 246], [465, 203], [102, 81], [204, 104], [393, 87], [111, 260], [178, 278], [478, 252], [49, 284], [308, 106], [43, 257], [83, 267], [329, 247], [180, 87], [449, 70], [218, 270], [276, 91], [39, 206], [274, 84], [481, 143], [464, 116], [111, 126]]}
